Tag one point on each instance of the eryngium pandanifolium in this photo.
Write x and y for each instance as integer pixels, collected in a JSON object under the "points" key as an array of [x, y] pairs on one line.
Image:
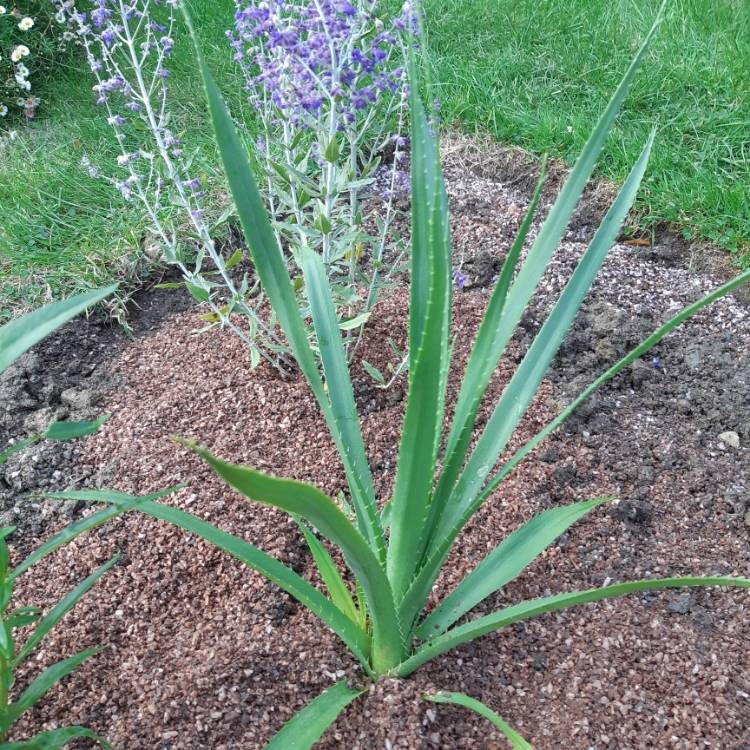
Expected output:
{"points": [[395, 549]]}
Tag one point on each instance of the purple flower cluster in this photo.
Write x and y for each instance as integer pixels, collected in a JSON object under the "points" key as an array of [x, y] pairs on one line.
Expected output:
{"points": [[115, 33], [303, 54], [108, 25]]}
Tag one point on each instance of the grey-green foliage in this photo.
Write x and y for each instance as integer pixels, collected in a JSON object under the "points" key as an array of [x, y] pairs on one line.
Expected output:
{"points": [[384, 620]]}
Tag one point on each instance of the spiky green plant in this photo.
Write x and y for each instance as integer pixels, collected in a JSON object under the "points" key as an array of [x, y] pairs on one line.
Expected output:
{"points": [[17, 337], [12, 656], [441, 480]]}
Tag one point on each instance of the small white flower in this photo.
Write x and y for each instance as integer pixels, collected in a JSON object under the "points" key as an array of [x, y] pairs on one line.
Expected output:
{"points": [[3, 11], [19, 52], [569, 128], [22, 70], [60, 17], [21, 102], [26, 23], [12, 135], [123, 159], [23, 83], [3, 108]]}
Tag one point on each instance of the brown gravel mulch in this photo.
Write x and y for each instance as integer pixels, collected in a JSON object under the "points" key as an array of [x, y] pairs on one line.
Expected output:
{"points": [[203, 653]]}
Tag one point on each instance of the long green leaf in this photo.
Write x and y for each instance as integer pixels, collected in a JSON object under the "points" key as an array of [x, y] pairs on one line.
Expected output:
{"points": [[11, 450], [340, 391], [300, 499], [55, 739], [525, 381], [73, 430], [247, 553], [46, 680], [466, 497], [84, 524], [429, 353], [308, 725], [535, 607], [684, 314], [422, 584], [272, 269], [485, 355], [553, 228], [60, 610], [440, 523], [517, 742], [56, 431], [503, 564], [331, 576], [20, 335]]}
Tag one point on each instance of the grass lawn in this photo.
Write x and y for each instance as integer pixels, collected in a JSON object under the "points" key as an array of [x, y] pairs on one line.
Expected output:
{"points": [[534, 73]]}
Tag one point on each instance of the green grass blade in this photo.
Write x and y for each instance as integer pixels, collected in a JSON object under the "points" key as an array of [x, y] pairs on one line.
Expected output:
{"points": [[429, 353], [272, 269], [46, 680], [517, 742], [485, 354], [340, 391], [55, 739], [56, 431], [73, 430], [20, 335], [300, 499], [503, 564], [331, 576], [523, 386], [276, 572], [23, 616], [526, 610], [11, 450], [308, 725], [638, 351], [84, 524], [59, 611]]}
